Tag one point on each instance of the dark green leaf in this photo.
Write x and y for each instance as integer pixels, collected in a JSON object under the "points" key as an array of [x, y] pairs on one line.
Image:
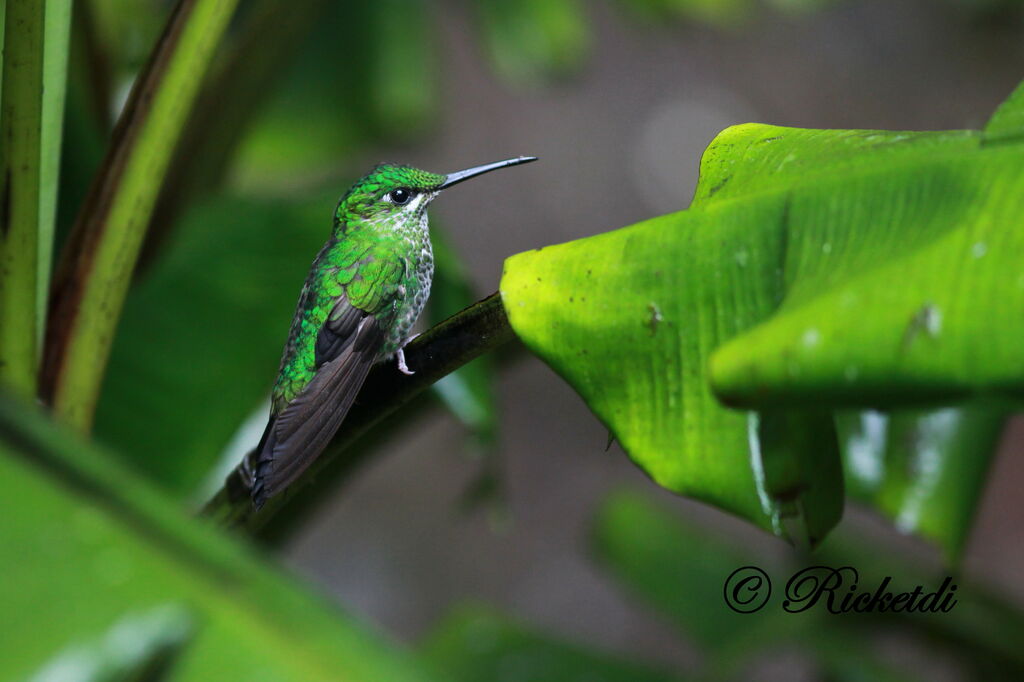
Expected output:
{"points": [[802, 472], [311, 122], [202, 334], [680, 570], [985, 628]]}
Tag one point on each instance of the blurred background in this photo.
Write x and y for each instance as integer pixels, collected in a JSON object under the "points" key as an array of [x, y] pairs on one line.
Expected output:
{"points": [[618, 99]]}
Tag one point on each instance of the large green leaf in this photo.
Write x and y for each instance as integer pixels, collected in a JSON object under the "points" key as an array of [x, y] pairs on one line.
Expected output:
{"points": [[86, 545], [684, 572], [268, 36], [815, 269], [140, 646], [476, 644], [1007, 124], [629, 318], [901, 263]]}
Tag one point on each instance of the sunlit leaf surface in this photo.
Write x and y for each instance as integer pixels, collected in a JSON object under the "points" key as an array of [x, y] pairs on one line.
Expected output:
{"points": [[899, 265]]}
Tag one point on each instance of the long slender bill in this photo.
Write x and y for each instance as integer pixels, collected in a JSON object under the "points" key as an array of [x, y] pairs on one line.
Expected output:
{"points": [[458, 176]]}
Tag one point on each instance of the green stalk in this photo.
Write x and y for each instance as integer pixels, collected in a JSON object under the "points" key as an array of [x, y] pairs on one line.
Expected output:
{"points": [[20, 112], [56, 46], [98, 260], [238, 86], [31, 114]]}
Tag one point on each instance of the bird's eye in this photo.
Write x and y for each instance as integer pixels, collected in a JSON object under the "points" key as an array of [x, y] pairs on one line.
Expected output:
{"points": [[400, 196]]}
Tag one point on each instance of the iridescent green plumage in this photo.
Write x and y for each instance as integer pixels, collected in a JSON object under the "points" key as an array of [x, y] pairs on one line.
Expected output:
{"points": [[375, 260], [365, 290]]}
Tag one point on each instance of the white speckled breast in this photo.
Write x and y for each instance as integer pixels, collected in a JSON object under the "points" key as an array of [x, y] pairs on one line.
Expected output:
{"points": [[420, 266]]}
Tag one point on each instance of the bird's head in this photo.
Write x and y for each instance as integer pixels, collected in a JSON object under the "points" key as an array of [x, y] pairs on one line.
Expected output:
{"points": [[399, 193]]}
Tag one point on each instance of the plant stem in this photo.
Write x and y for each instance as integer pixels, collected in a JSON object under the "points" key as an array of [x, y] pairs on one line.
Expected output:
{"points": [[57, 44], [19, 192], [239, 85], [31, 108], [434, 354], [100, 254]]}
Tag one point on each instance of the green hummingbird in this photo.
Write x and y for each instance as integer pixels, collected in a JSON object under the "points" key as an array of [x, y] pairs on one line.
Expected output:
{"points": [[364, 292]]}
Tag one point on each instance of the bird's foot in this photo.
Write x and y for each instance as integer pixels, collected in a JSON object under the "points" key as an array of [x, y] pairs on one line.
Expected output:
{"points": [[402, 367], [400, 355]]}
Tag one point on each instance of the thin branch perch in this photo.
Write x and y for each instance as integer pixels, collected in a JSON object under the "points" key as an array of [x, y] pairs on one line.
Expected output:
{"points": [[433, 355]]}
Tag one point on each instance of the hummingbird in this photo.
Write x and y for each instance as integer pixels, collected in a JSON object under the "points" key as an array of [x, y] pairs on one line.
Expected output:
{"points": [[365, 290]]}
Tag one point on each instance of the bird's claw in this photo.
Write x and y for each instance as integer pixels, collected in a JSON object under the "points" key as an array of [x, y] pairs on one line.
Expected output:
{"points": [[402, 367]]}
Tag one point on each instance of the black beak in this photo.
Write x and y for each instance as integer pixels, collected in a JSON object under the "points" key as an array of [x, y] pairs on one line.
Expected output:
{"points": [[458, 176]]}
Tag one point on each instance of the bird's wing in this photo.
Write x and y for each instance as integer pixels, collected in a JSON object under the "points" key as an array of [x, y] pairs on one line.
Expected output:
{"points": [[346, 347], [338, 330], [296, 437]]}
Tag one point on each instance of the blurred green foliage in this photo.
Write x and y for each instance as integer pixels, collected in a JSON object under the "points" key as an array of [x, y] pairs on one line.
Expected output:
{"points": [[678, 569], [86, 545], [140, 646], [185, 368], [478, 644], [533, 39]]}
